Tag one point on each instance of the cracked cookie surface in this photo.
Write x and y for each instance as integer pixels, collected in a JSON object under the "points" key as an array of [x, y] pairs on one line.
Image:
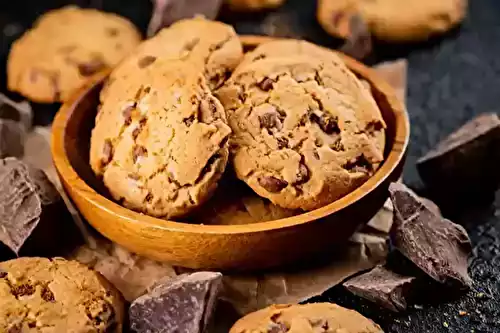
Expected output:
{"points": [[392, 20], [55, 296], [64, 49], [305, 131], [160, 142], [211, 47], [306, 318]]}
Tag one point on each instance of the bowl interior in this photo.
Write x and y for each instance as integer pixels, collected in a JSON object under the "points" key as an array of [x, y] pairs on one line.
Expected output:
{"points": [[80, 121]]}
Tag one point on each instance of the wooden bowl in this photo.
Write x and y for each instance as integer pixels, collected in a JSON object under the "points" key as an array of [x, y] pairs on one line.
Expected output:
{"points": [[224, 247]]}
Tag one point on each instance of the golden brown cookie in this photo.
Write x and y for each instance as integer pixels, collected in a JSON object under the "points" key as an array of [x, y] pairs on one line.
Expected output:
{"points": [[305, 131], [253, 5], [55, 295], [211, 47], [307, 318], [160, 142], [64, 49], [392, 20]]}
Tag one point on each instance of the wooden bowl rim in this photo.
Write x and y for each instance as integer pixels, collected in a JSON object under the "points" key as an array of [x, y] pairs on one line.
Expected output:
{"points": [[66, 171]]}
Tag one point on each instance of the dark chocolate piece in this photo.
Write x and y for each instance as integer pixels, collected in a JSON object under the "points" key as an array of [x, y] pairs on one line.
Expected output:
{"points": [[436, 245], [359, 43], [32, 213], [184, 304], [19, 112], [383, 287], [166, 12], [12, 136], [467, 161]]}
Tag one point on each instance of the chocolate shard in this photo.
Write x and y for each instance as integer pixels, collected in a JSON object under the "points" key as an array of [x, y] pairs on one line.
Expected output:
{"points": [[183, 304], [437, 246], [19, 112], [166, 12], [12, 136], [467, 161], [383, 287], [32, 213]]}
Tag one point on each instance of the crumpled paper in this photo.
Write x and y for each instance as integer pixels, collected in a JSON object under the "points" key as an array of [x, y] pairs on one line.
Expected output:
{"points": [[133, 274]]}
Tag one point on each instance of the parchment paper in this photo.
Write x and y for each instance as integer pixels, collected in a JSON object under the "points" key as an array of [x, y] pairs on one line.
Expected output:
{"points": [[133, 274]]}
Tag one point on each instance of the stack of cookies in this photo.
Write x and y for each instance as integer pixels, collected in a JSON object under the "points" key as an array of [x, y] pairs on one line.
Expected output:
{"points": [[293, 122]]}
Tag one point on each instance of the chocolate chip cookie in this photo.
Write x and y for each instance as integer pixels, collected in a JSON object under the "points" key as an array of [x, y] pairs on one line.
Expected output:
{"points": [[392, 20], [160, 142], [211, 47], [55, 295], [305, 131], [64, 49], [307, 318], [253, 5]]}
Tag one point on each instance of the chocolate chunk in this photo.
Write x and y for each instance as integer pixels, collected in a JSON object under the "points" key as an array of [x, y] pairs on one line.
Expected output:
{"points": [[272, 184], [282, 142], [90, 68], [302, 174], [270, 120], [467, 161], [127, 114], [12, 136], [139, 151], [207, 110], [359, 164], [146, 61], [266, 84], [22, 290], [359, 43], [328, 123], [277, 328], [19, 112], [183, 304], [107, 152], [383, 287], [33, 217], [166, 12], [47, 295], [434, 244]]}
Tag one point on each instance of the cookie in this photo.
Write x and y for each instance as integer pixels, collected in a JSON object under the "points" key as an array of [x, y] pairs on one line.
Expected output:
{"points": [[55, 295], [64, 49], [160, 142], [315, 317], [392, 20], [211, 47], [253, 5], [305, 131]]}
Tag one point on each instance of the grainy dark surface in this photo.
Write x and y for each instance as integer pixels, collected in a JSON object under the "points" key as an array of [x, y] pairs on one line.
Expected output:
{"points": [[450, 80]]}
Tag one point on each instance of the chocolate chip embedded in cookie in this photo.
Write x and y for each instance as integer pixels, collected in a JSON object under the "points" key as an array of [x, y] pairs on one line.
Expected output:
{"points": [[315, 317], [64, 49], [211, 47], [55, 295], [160, 143], [305, 131], [392, 20]]}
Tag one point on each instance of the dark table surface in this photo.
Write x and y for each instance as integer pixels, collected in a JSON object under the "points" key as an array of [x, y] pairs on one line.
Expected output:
{"points": [[450, 80]]}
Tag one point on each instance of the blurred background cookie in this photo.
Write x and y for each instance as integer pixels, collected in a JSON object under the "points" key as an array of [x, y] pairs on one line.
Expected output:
{"points": [[56, 295], [64, 49], [391, 20]]}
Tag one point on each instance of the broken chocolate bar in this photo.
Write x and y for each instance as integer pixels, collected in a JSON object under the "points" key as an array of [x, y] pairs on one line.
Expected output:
{"points": [[183, 304], [467, 161], [12, 136], [32, 214], [434, 244], [166, 12], [383, 287]]}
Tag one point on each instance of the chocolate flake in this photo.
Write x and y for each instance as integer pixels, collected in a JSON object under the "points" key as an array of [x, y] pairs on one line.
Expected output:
{"points": [[272, 184], [465, 163], [146, 61], [185, 303], [383, 287], [436, 245]]}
